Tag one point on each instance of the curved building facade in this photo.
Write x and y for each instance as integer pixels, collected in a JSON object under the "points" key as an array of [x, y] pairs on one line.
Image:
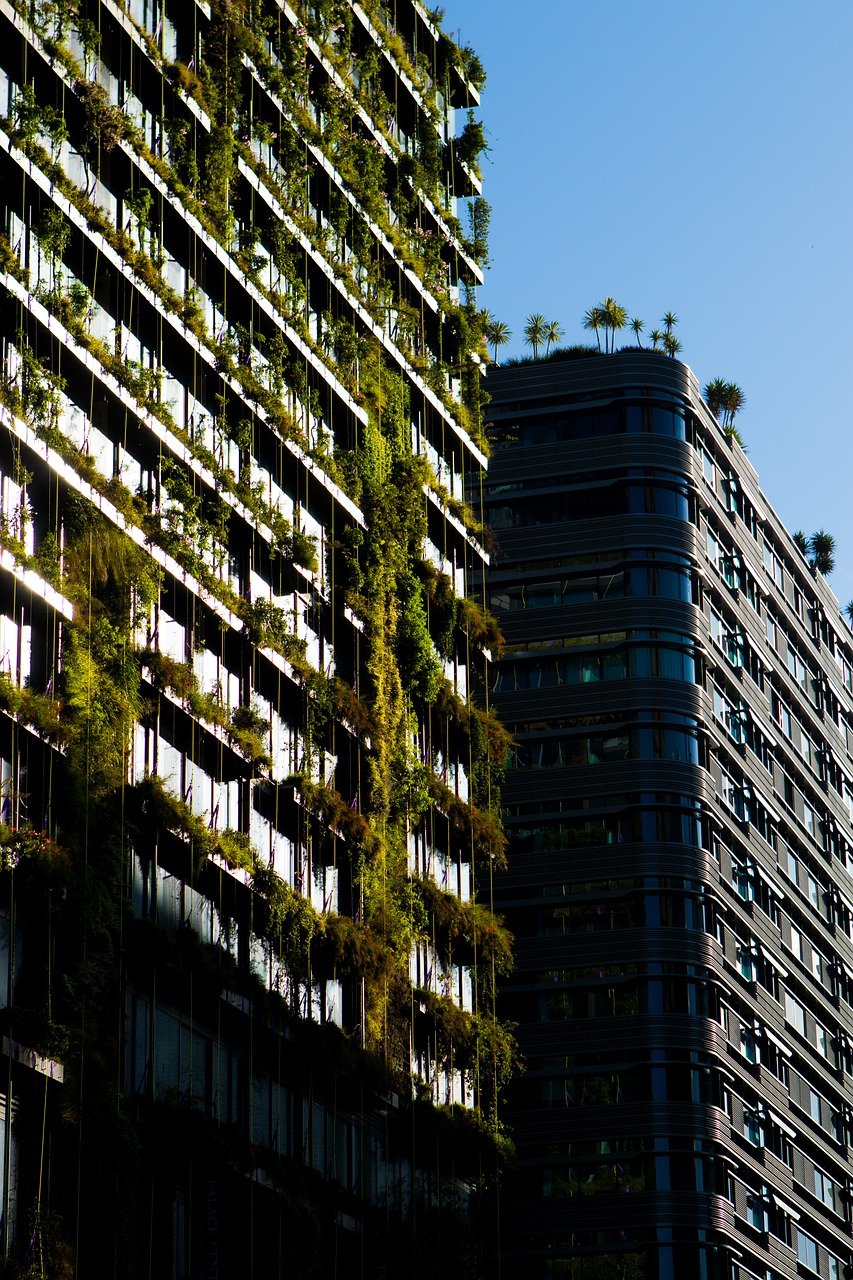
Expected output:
{"points": [[677, 683]]}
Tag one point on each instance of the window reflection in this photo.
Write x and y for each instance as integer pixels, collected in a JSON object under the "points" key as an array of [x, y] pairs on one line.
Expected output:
{"points": [[640, 662]]}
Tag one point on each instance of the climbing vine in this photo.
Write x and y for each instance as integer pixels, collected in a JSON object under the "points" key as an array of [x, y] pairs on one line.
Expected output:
{"points": [[390, 342]]}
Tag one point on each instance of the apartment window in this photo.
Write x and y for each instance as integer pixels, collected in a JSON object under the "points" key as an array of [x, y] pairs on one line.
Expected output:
{"points": [[731, 642], [709, 471], [750, 589], [796, 943], [824, 1189], [822, 1044], [756, 1213], [790, 865], [750, 1045], [806, 748], [770, 629], [818, 965], [753, 1128], [814, 1106], [795, 1014], [797, 667], [809, 819], [773, 565], [813, 890], [783, 716], [713, 548], [731, 794], [806, 1250], [747, 962]]}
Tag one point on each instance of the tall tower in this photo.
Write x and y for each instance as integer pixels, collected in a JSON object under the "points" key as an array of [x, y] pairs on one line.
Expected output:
{"points": [[247, 997], [677, 682]]}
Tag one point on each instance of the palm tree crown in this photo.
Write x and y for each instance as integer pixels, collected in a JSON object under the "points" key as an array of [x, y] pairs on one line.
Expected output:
{"points": [[725, 400], [821, 548], [615, 318], [594, 319], [637, 326], [497, 334], [553, 333], [534, 332]]}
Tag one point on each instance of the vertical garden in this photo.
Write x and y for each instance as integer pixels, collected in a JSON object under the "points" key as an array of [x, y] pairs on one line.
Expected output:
{"points": [[248, 786]]}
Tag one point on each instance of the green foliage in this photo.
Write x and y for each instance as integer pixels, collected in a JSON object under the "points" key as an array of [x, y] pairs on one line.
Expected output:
{"points": [[106, 125], [471, 143], [420, 668], [411, 620], [33, 708]]}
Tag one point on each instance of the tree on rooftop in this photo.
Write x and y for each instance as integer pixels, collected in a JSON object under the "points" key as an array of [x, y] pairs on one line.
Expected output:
{"points": [[497, 334], [733, 402], [821, 551], [595, 321], [553, 333], [637, 327], [534, 332], [725, 400], [615, 318], [657, 338]]}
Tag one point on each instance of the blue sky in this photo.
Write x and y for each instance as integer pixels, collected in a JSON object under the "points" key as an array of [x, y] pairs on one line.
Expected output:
{"points": [[697, 158]]}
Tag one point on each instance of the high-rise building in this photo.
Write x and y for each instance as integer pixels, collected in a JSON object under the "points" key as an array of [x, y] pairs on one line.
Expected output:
{"points": [[677, 682], [245, 989]]}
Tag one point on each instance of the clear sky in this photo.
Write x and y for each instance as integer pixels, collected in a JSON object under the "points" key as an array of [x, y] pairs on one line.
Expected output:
{"points": [[692, 157]]}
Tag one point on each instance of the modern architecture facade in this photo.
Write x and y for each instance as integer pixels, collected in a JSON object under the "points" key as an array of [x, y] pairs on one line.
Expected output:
{"points": [[677, 683], [246, 996]]}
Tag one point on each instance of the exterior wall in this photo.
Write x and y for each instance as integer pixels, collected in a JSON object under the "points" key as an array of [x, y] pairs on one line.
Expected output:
{"points": [[241, 818], [678, 686]]}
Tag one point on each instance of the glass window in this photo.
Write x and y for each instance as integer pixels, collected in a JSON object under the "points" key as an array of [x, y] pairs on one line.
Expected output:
{"points": [[795, 1013], [770, 628], [790, 865], [796, 943], [756, 1213], [821, 1039], [813, 892], [809, 823], [806, 1250]]}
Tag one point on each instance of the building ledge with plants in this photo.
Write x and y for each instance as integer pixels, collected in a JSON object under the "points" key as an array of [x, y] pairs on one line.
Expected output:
{"points": [[249, 781]]}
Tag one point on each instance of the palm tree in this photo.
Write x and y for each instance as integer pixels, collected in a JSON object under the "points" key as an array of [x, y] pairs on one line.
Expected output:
{"points": [[848, 609], [594, 319], [534, 332], [801, 541], [671, 345], [656, 337], [615, 318], [725, 400], [714, 394], [821, 547], [637, 326], [497, 334], [553, 333], [733, 402], [670, 320]]}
